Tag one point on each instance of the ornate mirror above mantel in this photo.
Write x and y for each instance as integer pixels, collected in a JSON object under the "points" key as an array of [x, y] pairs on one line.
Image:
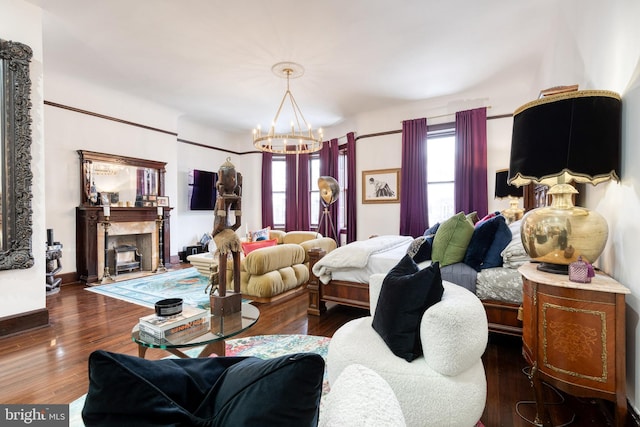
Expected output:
{"points": [[15, 157], [121, 193], [119, 181]]}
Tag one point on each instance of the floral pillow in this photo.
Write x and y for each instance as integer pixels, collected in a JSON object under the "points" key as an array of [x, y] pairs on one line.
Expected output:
{"points": [[260, 234]]}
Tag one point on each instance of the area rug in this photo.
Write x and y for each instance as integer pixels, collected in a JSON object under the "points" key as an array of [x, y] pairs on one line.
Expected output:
{"points": [[186, 283], [262, 346]]}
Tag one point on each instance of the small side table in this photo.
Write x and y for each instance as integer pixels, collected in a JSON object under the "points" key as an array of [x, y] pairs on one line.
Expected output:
{"points": [[574, 337], [54, 253]]}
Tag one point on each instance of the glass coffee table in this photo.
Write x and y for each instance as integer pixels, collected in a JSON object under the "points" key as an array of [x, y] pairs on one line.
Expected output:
{"points": [[220, 329]]}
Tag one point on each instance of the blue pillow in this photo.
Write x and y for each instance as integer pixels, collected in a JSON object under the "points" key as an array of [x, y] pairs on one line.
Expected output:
{"points": [[503, 236], [481, 240], [405, 295], [431, 231]]}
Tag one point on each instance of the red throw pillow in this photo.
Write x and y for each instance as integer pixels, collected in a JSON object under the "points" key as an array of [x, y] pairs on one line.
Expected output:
{"points": [[248, 247]]}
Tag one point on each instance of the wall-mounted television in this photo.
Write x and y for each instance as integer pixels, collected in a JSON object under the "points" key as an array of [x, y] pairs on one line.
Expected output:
{"points": [[202, 190]]}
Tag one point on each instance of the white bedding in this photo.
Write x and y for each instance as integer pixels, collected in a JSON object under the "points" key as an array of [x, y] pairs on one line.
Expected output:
{"points": [[360, 259], [500, 283]]}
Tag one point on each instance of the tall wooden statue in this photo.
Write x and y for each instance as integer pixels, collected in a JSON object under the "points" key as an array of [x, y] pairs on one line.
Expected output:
{"points": [[229, 200]]}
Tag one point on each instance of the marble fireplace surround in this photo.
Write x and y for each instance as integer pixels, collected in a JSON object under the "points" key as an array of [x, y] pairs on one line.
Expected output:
{"points": [[142, 235]]}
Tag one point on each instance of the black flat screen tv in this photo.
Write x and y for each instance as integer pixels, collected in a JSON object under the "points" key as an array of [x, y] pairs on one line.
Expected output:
{"points": [[203, 190]]}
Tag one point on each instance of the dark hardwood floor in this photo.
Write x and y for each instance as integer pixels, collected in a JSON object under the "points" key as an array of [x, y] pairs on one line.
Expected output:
{"points": [[49, 365]]}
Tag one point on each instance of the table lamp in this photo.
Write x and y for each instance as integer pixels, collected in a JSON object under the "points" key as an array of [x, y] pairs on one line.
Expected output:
{"points": [[504, 189], [573, 136]]}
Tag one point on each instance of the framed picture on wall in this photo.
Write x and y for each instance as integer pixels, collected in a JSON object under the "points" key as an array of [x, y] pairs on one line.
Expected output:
{"points": [[163, 201], [381, 186]]}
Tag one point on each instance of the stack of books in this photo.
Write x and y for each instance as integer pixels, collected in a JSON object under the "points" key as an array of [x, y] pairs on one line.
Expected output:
{"points": [[188, 324]]}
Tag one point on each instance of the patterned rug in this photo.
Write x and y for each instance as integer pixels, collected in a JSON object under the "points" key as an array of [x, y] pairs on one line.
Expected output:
{"points": [[186, 283], [262, 346]]}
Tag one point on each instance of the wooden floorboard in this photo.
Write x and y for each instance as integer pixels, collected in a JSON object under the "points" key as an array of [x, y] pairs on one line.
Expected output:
{"points": [[49, 365]]}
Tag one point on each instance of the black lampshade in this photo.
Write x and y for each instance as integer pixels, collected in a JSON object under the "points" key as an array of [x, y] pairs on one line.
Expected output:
{"points": [[573, 135], [503, 188]]}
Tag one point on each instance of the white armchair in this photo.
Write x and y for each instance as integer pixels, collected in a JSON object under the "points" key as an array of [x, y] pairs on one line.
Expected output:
{"points": [[444, 387]]}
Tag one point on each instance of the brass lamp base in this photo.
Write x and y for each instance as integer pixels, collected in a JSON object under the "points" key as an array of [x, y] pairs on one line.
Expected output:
{"points": [[557, 235]]}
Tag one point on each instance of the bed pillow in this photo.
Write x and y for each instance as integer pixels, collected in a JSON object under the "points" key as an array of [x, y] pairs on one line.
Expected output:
{"points": [[406, 294], [502, 237], [263, 234], [248, 247], [481, 240], [451, 240], [473, 217], [431, 231], [420, 249], [514, 255]]}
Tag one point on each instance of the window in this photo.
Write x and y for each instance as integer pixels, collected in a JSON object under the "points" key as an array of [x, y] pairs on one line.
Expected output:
{"points": [[440, 174], [279, 180], [278, 183], [314, 191]]}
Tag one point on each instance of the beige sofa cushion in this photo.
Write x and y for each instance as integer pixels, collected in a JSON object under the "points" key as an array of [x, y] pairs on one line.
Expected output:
{"points": [[273, 258], [325, 243], [300, 236]]}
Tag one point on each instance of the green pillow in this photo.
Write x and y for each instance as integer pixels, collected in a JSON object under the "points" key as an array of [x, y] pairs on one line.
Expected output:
{"points": [[451, 240]]}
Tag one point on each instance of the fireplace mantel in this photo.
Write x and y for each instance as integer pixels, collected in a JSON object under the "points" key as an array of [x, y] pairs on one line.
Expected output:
{"points": [[88, 223]]}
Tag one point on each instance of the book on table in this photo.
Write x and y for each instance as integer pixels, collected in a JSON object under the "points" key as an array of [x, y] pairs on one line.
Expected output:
{"points": [[188, 322]]}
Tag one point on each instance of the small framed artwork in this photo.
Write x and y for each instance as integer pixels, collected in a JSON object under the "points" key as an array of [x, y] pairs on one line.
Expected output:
{"points": [[163, 201], [381, 186]]}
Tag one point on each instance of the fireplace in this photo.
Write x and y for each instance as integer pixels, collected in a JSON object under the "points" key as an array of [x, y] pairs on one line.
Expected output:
{"points": [[134, 226], [141, 235]]}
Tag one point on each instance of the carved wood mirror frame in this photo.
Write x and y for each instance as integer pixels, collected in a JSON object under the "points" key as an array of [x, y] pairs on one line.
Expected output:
{"points": [[16, 175]]}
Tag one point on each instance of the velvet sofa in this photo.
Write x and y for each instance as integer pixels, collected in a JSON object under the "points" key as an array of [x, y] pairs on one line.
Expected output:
{"points": [[274, 272]]}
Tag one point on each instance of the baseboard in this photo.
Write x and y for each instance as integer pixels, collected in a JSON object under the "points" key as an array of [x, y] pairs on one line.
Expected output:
{"points": [[24, 321], [68, 278]]}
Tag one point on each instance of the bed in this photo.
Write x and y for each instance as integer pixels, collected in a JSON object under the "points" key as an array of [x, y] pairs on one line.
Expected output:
{"points": [[499, 288]]}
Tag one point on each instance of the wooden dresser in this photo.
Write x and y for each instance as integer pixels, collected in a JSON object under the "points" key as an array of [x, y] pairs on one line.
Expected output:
{"points": [[574, 337]]}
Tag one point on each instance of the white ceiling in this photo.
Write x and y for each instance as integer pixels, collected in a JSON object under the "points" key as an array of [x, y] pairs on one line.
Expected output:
{"points": [[211, 59]]}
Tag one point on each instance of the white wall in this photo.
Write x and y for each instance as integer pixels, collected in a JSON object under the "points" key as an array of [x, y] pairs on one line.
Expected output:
{"points": [[606, 53], [24, 290], [193, 224]]}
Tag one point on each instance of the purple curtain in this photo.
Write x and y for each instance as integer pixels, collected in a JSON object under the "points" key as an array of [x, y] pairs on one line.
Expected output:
{"points": [[471, 162], [414, 215], [291, 194], [303, 208], [351, 188], [267, 189], [329, 167]]}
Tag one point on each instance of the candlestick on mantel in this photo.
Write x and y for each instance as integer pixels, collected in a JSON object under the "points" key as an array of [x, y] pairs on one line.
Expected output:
{"points": [[106, 210], [160, 211]]}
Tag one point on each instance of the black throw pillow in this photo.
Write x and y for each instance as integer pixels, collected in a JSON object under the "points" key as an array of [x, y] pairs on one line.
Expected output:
{"points": [[406, 294], [217, 391]]}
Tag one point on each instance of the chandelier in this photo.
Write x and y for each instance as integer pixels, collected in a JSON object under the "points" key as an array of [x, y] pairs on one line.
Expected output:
{"points": [[299, 138]]}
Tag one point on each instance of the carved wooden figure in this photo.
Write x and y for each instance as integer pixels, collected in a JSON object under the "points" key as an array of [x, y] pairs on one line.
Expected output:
{"points": [[227, 241]]}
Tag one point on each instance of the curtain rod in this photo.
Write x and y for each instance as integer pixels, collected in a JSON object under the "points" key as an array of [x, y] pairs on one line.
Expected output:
{"points": [[392, 132]]}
